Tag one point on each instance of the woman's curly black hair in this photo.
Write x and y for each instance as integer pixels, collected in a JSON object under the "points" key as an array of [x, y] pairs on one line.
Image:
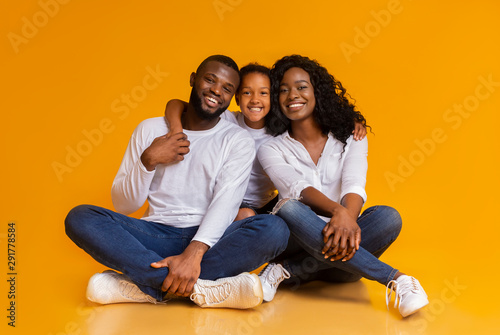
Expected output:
{"points": [[333, 111]]}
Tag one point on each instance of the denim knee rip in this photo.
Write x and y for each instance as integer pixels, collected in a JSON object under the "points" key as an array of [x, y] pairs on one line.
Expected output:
{"points": [[280, 204]]}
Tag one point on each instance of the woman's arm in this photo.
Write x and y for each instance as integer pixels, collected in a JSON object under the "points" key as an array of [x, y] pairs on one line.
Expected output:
{"points": [[353, 196], [341, 234], [353, 203], [292, 184]]}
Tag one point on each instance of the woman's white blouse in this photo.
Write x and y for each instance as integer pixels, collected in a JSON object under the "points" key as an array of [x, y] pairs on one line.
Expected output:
{"points": [[339, 170]]}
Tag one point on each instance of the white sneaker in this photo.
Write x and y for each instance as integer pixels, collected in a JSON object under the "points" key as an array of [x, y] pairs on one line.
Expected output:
{"points": [[271, 276], [242, 291], [111, 287], [409, 292]]}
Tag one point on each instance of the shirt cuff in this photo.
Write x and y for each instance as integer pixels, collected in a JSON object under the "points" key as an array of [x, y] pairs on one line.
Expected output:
{"points": [[356, 190], [297, 188], [143, 168], [202, 240]]}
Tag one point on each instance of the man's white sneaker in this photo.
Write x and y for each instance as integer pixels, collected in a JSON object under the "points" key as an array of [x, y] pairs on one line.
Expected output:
{"points": [[271, 276], [242, 291], [409, 292], [111, 287]]}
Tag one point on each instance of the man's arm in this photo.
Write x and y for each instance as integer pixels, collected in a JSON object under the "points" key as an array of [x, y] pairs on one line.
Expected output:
{"points": [[230, 187], [131, 185], [183, 269], [144, 152], [165, 150]]}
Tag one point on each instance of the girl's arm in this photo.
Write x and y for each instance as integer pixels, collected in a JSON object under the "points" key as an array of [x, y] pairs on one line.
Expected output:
{"points": [[173, 113], [359, 131]]}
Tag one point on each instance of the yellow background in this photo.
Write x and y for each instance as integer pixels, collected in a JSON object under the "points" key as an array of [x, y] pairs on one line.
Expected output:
{"points": [[69, 74]]}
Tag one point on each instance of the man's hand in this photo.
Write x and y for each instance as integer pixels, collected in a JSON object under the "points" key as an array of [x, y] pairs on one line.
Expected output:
{"points": [[183, 269], [341, 235], [164, 150]]}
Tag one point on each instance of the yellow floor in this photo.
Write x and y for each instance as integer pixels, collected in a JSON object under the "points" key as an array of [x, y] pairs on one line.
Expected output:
{"points": [[355, 308], [457, 306], [462, 289]]}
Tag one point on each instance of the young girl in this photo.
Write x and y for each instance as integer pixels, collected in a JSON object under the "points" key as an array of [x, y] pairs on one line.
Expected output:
{"points": [[320, 173], [253, 97]]}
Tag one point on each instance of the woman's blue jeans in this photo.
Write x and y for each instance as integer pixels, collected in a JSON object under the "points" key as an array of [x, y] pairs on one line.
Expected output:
{"points": [[380, 226], [130, 245]]}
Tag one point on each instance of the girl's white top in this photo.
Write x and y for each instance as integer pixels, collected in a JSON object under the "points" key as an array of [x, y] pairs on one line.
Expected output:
{"points": [[260, 187]]}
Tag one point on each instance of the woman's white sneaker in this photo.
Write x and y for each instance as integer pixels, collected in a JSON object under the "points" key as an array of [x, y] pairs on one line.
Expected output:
{"points": [[242, 291], [409, 293], [111, 287], [271, 276]]}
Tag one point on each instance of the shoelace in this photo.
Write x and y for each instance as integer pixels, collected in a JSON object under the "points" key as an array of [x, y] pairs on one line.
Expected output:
{"points": [[213, 294], [400, 289], [131, 291], [274, 275]]}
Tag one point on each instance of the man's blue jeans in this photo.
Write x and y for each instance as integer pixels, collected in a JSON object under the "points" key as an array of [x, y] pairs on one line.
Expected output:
{"points": [[380, 226], [130, 245]]}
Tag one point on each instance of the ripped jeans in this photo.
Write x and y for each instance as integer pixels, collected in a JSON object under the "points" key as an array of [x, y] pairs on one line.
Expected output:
{"points": [[380, 226]]}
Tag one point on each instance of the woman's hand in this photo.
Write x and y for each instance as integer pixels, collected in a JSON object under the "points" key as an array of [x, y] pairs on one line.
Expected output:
{"points": [[341, 235]]}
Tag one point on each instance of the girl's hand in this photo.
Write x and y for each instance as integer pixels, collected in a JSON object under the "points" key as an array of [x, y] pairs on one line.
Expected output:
{"points": [[359, 131]]}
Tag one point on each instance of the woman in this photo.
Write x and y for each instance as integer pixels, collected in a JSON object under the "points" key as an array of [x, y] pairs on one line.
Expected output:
{"points": [[320, 174]]}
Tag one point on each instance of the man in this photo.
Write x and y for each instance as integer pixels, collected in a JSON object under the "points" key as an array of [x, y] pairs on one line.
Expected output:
{"points": [[186, 244]]}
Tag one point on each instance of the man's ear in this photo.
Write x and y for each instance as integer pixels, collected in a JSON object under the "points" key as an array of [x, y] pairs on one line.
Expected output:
{"points": [[192, 78]]}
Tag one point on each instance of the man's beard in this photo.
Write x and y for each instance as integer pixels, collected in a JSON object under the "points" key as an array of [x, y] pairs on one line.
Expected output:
{"points": [[195, 101]]}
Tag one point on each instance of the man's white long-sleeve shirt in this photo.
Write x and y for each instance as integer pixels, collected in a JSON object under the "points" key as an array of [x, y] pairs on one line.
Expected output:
{"points": [[205, 189]]}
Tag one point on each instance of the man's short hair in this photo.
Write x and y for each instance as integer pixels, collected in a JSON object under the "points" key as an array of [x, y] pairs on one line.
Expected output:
{"points": [[228, 61]]}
